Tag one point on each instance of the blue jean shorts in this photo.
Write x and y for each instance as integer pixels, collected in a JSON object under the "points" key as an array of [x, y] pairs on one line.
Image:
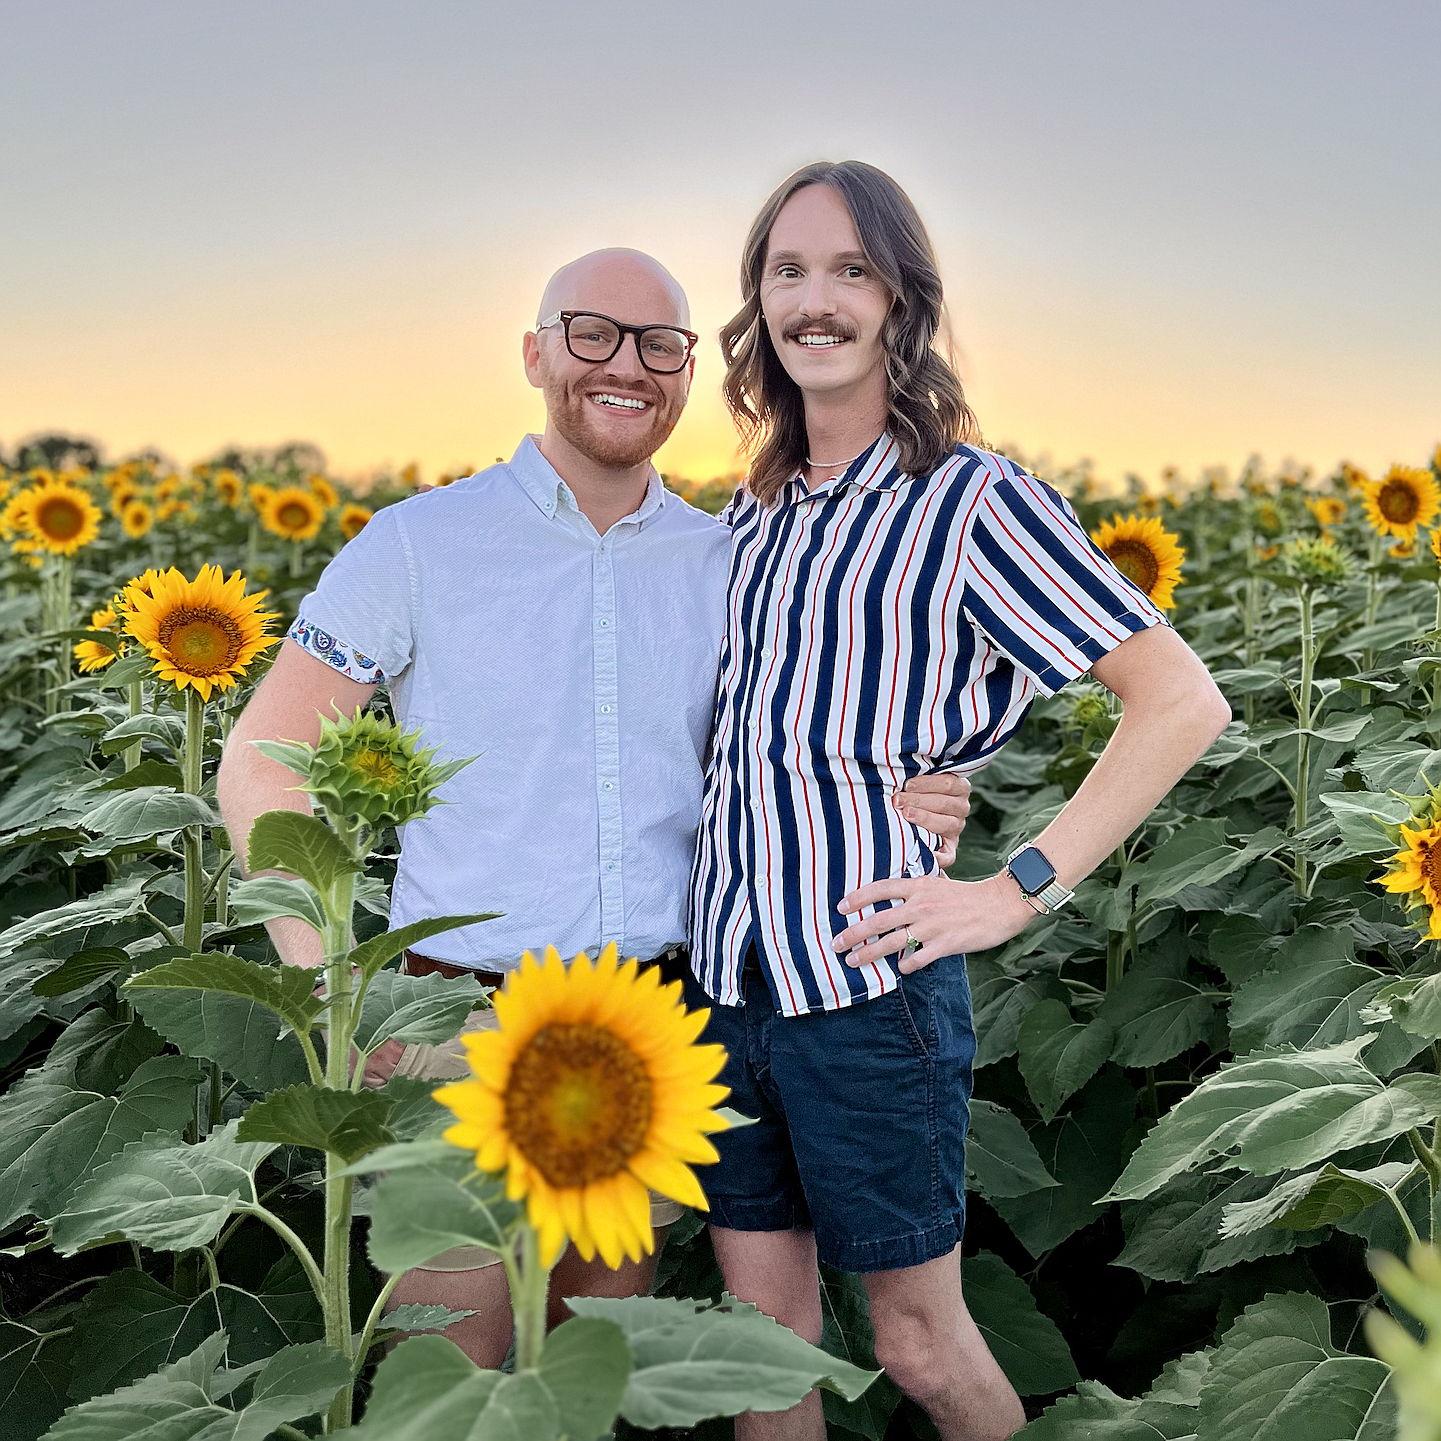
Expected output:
{"points": [[861, 1118]]}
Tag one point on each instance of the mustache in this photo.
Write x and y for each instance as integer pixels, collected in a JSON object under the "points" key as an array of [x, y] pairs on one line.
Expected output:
{"points": [[838, 328]]}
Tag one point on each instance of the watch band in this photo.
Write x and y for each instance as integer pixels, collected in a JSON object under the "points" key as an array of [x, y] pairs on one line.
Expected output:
{"points": [[1051, 895]]}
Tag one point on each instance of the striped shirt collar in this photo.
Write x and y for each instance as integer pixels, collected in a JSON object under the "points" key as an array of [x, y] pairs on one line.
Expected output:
{"points": [[548, 491], [876, 468]]}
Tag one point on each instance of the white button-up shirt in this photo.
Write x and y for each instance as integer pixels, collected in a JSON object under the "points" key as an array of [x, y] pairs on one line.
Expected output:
{"points": [[578, 669]]}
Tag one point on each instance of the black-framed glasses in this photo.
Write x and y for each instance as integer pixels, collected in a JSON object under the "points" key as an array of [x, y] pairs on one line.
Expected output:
{"points": [[595, 338]]}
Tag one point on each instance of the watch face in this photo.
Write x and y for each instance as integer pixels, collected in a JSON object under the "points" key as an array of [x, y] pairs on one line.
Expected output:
{"points": [[1033, 872]]}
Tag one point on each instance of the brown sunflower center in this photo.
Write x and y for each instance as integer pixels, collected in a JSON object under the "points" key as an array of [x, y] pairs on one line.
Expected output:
{"points": [[1398, 502], [59, 518], [1136, 561], [199, 641], [293, 515], [376, 766], [1430, 866], [578, 1104]]}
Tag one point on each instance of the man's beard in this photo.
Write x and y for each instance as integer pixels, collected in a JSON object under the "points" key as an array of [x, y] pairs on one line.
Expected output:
{"points": [[573, 416]]}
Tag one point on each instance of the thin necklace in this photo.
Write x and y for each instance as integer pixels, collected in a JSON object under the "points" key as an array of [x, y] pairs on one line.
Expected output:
{"points": [[833, 464]]}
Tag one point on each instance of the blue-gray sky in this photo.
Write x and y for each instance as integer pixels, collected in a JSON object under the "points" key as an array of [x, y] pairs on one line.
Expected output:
{"points": [[1169, 233]]}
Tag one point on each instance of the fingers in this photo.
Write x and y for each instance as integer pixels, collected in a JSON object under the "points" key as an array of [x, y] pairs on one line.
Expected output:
{"points": [[891, 889], [873, 925], [939, 783], [887, 945], [945, 854]]}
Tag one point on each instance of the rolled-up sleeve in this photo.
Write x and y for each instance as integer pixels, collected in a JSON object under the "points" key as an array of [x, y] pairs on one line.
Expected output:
{"points": [[1040, 589], [360, 618]]}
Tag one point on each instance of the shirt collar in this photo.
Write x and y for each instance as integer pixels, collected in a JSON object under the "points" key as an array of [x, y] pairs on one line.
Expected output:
{"points": [[877, 468], [550, 494]]}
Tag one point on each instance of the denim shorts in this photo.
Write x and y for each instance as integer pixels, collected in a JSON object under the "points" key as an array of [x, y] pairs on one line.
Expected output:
{"points": [[861, 1118]]}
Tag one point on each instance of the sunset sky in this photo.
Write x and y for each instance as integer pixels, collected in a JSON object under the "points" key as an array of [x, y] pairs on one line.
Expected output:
{"points": [[1168, 233]]}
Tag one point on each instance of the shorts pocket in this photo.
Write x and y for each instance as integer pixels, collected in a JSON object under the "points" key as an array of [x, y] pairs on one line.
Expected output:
{"points": [[918, 1014]]}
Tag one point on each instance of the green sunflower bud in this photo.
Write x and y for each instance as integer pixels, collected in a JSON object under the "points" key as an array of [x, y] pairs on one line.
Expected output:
{"points": [[365, 769], [1317, 560]]}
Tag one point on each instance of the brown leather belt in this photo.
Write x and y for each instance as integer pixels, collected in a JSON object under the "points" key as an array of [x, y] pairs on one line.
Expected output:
{"points": [[418, 965]]}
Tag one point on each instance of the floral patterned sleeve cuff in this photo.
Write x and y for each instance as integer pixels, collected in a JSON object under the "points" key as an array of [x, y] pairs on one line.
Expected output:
{"points": [[334, 652]]}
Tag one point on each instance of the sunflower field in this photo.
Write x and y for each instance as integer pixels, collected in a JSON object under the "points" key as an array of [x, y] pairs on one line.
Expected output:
{"points": [[1206, 1140]]}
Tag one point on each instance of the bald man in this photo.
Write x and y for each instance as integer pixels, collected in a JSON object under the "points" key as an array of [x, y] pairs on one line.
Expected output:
{"points": [[559, 618]]}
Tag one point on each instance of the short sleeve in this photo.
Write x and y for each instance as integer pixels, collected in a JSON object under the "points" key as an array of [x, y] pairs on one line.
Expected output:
{"points": [[1040, 589], [360, 617]]}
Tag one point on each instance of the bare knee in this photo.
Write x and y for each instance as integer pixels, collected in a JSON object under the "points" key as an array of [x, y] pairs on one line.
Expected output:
{"points": [[776, 1272], [915, 1355]]}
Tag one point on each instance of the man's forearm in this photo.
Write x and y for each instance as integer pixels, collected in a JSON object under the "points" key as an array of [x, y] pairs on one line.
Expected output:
{"points": [[1155, 743], [249, 784]]}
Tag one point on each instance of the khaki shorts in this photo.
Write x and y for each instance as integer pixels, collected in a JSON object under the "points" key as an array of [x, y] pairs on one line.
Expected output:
{"points": [[447, 1062]]}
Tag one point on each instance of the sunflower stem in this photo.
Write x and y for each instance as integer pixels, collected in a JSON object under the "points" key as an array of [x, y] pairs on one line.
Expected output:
{"points": [[193, 841], [1436, 647], [1303, 741], [339, 902], [132, 704], [62, 624], [529, 1301]]}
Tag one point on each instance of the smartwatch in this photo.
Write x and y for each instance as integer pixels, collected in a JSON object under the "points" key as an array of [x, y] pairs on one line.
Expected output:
{"points": [[1036, 877]]}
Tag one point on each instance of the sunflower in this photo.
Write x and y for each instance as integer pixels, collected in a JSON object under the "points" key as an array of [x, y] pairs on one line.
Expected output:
{"points": [[227, 487], [1418, 873], [590, 1090], [1145, 552], [201, 633], [1403, 550], [259, 494], [136, 519], [91, 654], [323, 491], [1326, 510], [1404, 500], [352, 520], [1436, 544], [292, 513], [62, 517]]}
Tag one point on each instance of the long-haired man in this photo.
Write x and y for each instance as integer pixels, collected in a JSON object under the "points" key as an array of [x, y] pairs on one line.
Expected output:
{"points": [[897, 598]]}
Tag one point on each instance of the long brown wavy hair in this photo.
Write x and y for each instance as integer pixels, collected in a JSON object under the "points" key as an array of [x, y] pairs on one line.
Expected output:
{"points": [[928, 413]]}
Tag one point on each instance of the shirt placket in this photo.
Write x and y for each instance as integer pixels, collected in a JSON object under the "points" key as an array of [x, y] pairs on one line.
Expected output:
{"points": [[607, 744]]}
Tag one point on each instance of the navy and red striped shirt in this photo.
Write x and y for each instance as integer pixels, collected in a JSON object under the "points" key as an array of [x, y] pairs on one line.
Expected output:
{"points": [[879, 626]]}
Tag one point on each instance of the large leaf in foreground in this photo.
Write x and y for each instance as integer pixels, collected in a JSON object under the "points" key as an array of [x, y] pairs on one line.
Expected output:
{"points": [[417, 1213], [371, 955], [692, 1361], [1277, 1377], [53, 1132], [427, 1389], [1279, 1110], [131, 1324], [33, 1373], [301, 844], [347, 1123], [422, 1009], [286, 990], [237, 1032], [163, 1193], [182, 1401]]}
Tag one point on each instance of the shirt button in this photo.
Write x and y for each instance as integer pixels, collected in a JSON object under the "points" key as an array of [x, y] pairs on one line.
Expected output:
{"points": [[602, 622], [607, 785], [610, 865], [605, 710]]}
